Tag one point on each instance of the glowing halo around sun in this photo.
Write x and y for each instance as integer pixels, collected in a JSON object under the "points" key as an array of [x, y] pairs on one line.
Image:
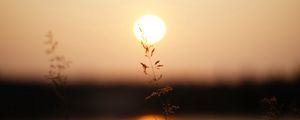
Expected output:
{"points": [[153, 29]]}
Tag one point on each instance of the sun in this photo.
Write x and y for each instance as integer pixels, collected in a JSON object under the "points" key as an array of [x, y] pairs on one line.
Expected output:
{"points": [[149, 29]]}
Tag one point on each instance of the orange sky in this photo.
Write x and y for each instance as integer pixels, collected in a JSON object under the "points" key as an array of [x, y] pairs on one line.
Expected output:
{"points": [[204, 37]]}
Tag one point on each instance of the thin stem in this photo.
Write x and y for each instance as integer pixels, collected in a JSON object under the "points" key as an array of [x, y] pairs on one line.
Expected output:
{"points": [[153, 70], [155, 79]]}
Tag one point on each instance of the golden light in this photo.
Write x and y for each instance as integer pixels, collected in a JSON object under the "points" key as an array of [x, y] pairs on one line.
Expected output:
{"points": [[149, 29], [151, 117]]}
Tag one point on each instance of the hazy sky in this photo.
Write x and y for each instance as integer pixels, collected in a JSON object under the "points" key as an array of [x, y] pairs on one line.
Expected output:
{"points": [[204, 37]]}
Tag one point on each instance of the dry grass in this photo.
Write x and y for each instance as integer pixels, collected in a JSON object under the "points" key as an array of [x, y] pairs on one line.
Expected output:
{"points": [[155, 76]]}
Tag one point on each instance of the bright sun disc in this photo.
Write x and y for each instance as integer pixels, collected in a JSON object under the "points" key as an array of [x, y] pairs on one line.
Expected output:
{"points": [[153, 29]]}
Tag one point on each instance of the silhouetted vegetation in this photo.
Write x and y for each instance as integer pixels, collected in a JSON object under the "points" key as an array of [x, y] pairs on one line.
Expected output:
{"points": [[167, 107], [57, 67]]}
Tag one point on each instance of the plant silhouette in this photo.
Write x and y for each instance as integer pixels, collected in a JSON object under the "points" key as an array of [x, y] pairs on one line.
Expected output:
{"points": [[58, 65], [154, 68]]}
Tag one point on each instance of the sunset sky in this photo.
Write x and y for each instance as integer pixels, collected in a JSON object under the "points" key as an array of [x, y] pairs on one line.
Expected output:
{"points": [[204, 38]]}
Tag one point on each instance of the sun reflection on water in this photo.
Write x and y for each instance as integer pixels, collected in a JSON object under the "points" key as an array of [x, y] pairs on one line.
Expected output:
{"points": [[151, 117]]}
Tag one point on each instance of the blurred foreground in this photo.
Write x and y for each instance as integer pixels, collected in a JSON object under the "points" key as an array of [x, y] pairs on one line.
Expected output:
{"points": [[200, 117], [21, 100]]}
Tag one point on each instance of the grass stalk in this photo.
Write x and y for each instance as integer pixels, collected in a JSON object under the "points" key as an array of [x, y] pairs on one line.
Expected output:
{"points": [[167, 107]]}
